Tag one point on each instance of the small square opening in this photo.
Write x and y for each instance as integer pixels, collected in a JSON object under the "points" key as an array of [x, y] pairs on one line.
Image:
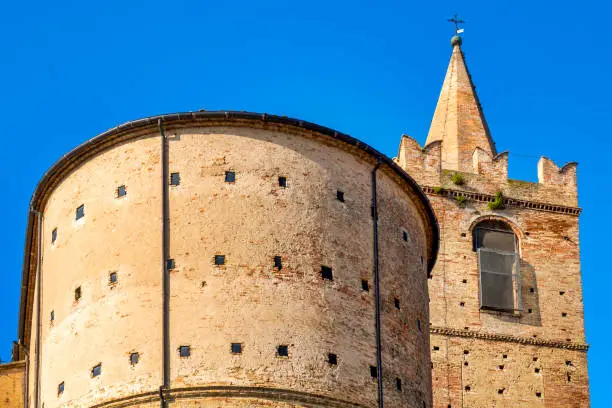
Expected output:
{"points": [[112, 278], [134, 358], [282, 350], [77, 294], [419, 324], [121, 191], [332, 359], [60, 389], [365, 286], [396, 303], [170, 264], [230, 176], [278, 263], [80, 211], [282, 182], [219, 260], [436, 348], [54, 235], [405, 236], [175, 179], [326, 273], [96, 370], [373, 372], [398, 384], [52, 316], [236, 348], [340, 195], [184, 351]]}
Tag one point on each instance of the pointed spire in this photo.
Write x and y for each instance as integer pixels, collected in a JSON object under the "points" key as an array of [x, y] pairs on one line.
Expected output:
{"points": [[458, 121]]}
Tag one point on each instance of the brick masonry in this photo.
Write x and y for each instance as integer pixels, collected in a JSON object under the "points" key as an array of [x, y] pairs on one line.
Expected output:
{"points": [[11, 384], [246, 300]]}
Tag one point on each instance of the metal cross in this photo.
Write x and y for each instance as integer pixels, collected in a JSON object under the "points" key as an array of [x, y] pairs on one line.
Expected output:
{"points": [[456, 21]]}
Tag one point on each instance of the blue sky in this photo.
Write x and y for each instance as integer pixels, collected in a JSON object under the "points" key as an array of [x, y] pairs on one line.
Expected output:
{"points": [[70, 70]]}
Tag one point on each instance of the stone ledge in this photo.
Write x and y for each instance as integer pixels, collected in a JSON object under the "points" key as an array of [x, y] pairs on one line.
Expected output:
{"points": [[270, 394], [512, 202], [445, 331]]}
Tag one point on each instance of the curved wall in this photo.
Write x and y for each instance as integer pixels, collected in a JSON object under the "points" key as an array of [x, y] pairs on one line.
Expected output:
{"points": [[247, 300]]}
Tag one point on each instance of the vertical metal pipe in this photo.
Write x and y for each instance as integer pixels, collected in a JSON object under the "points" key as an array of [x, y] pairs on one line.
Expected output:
{"points": [[165, 257], [379, 370], [38, 306]]}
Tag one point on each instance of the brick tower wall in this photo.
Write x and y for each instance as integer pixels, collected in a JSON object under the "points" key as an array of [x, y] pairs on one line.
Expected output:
{"points": [[536, 357]]}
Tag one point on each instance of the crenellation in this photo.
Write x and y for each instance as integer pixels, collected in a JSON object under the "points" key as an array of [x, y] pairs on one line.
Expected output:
{"points": [[495, 168], [556, 186]]}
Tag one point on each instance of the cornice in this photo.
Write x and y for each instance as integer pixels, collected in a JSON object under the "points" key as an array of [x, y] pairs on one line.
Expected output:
{"points": [[509, 202], [446, 331]]}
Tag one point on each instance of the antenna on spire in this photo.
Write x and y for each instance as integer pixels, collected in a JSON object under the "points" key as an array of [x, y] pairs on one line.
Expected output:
{"points": [[457, 21]]}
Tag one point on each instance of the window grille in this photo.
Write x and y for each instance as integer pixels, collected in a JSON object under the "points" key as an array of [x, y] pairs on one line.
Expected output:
{"points": [[219, 260], [121, 191], [500, 283], [96, 371], [80, 211], [175, 179], [230, 177]]}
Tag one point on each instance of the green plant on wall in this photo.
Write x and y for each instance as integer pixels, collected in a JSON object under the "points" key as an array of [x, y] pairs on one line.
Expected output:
{"points": [[498, 202], [437, 190], [461, 200], [457, 179]]}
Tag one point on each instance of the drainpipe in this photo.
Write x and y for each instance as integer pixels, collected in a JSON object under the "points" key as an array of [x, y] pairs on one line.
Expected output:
{"points": [[379, 372], [25, 350], [165, 257], [39, 218]]}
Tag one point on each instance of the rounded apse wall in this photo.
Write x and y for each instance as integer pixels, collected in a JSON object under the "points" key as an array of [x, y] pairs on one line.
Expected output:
{"points": [[234, 267]]}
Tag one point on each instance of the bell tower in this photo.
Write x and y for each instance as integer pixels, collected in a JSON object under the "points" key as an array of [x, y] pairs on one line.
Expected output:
{"points": [[506, 310]]}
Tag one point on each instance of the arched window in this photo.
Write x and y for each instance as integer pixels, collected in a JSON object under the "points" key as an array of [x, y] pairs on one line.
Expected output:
{"points": [[498, 266]]}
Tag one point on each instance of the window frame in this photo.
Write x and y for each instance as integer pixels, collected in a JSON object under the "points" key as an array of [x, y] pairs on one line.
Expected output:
{"points": [[500, 226]]}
